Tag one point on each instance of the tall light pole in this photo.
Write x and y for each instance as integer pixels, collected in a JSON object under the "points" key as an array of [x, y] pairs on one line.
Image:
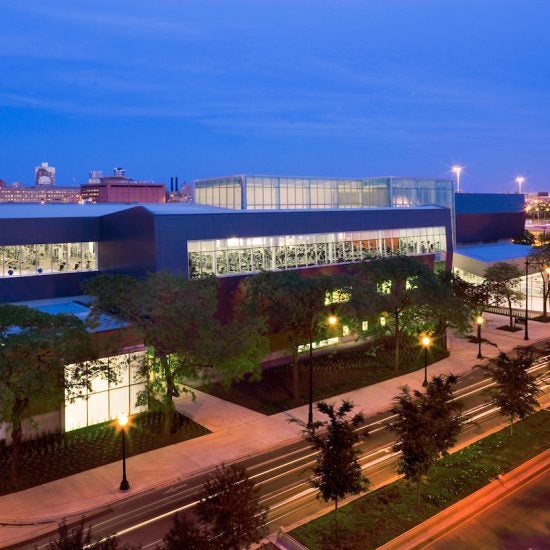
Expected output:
{"points": [[457, 170], [520, 180], [526, 334], [123, 422], [332, 320], [426, 341], [479, 322]]}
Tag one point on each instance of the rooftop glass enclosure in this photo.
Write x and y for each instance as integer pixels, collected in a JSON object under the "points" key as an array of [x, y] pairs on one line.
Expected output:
{"points": [[248, 192]]}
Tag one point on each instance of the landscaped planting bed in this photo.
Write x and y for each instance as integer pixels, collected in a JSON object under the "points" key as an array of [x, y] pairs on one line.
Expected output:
{"points": [[334, 372], [53, 456], [382, 515]]}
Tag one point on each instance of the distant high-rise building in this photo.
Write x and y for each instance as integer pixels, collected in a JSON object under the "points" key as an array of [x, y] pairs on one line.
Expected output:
{"points": [[44, 174]]}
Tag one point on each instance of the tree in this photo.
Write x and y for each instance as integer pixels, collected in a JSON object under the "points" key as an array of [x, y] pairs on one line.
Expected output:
{"points": [[394, 286], [441, 306], [230, 508], [42, 362], [337, 471], [515, 390], [427, 426], [186, 534], [294, 305], [503, 281], [527, 238], [77, 538], [474, 296], [178, 322], [539, 258]]}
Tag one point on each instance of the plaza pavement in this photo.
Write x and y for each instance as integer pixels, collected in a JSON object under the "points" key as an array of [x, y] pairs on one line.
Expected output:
{"points": [[236, 433]]}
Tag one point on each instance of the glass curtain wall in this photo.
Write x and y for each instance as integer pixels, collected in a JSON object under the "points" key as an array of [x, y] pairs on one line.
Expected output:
{"points": [[25, 260], [106, 400], [223, 192], [238, 256]]}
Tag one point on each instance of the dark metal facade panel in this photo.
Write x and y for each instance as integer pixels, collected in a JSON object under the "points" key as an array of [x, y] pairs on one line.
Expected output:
{"points": [[489, 203], [488, 227]]}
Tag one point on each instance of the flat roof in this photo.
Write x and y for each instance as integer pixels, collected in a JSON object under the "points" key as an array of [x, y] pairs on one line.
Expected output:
{"points": [[79, 306], [494, 252], [65, 210], [90, 210]]}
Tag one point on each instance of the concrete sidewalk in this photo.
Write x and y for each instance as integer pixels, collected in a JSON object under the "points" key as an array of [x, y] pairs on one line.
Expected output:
{"points": [[237, 433]]}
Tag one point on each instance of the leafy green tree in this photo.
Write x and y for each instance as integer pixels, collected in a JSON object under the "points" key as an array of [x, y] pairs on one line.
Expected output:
{"points": [[42, 362], [178, 321], [294, 305], [515, 390], [79, 538], [527, 238], [184, 533], [475, 297], [441, 307], [503, 281], [337, 471], [427, 426], [230, 509], [397, 286], [539, 258]]}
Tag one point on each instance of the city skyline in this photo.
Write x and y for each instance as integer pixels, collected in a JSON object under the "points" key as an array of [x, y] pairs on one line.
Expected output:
{"points": [[293, 88]]}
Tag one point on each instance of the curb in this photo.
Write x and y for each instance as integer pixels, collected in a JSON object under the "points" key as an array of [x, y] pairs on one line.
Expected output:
{"points": [[445, 521]]}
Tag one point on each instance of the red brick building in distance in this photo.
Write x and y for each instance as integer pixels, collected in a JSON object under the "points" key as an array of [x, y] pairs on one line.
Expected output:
{"points": [[119, 188]]}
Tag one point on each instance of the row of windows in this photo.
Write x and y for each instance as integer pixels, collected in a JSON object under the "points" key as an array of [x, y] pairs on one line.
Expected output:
{"points": [[38, 259], [249, 255]]}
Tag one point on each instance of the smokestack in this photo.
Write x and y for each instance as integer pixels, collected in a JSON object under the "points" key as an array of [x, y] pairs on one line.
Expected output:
{"points": [[177, 184]]}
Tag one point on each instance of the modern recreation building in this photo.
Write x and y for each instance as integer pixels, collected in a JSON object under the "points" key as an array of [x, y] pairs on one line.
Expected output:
{"points": [[238, 225]]}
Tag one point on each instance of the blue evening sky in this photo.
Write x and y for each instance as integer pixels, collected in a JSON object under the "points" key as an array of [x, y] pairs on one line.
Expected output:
{"points": [[331, 88]]}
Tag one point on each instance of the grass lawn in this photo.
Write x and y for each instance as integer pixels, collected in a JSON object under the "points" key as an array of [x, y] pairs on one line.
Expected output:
{"points": [[58, 455], [334, 372], [380, 516]]}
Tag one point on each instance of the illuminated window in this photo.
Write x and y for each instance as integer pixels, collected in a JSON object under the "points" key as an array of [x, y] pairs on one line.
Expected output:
{"points": [[106, 400], [337, 297], [384, 287], [382, 321], [365, 326]]}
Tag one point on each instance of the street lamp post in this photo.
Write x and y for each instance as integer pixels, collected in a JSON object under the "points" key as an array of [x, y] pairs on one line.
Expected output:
{"points": [[479, 322], [426, 341], [545, 290], [457, 170], [332, 320], [526, 334], [122, 422]]}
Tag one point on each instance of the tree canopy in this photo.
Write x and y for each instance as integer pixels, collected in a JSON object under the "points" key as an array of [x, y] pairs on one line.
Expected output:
{"points": [[515, 390], [427, 425], [178, 321], [503, 282], [44, 359], [337, 471]]}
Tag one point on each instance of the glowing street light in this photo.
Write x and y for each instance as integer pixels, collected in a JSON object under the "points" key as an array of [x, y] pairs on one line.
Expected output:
{"points": [[332, 320], [123, 422], [520, 180], [479, 322], [426, 342], [457, 170]]}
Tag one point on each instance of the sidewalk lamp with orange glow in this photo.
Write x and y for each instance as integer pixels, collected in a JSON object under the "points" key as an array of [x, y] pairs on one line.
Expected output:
{"points": [[332, 321], [426, 342], [123, 422], [457, 170], [546, 290], [479, 322]]}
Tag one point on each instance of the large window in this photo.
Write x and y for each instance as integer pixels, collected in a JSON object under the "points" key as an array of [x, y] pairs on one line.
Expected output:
{"points": [[237, 256], [24, 260], [106, 400]]}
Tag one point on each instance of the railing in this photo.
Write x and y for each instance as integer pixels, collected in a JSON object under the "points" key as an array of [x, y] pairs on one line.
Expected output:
{"points": [[517, 313]]}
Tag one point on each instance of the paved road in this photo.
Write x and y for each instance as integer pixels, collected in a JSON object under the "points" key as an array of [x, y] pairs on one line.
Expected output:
{"points": [[521, 521], [280, 476]]}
